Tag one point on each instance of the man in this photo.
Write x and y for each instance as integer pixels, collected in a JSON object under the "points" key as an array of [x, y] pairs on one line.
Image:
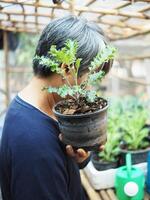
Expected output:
{"points": [[35, 165]]}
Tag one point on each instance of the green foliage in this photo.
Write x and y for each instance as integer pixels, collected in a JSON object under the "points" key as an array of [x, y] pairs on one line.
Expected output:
{"points": [[65, 59], [111, 149], [66, 90], [126, 119], [26, 49], [71, 91], [62, 91], [103, 56], [95, 77], [67, 54], [48, 62], [132, 130], [133, 115], [91, 95]]}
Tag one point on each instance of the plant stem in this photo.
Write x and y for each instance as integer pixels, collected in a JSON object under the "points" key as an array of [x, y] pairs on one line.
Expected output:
{"points": [[76, 77], [73, 73], [62, 74]]}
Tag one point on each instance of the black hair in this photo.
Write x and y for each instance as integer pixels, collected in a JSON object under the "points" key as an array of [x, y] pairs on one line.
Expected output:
{"points": [[89, 36]]}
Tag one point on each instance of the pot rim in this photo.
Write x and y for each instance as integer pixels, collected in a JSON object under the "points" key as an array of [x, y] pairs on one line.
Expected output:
{"points": [[135, 151], [79, 115], [105, 162], [100, 161]]}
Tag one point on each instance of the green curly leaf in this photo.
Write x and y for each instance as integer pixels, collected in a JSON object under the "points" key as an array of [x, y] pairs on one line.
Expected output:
{"points": [[91, 95], [48, 63], [67, 54], [106, 54], [78, 62], [96, 77], [64, 60]]}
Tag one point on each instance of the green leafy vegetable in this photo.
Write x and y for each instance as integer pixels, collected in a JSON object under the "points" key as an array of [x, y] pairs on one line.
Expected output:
{"points": [[126, 121], [65, 58]]}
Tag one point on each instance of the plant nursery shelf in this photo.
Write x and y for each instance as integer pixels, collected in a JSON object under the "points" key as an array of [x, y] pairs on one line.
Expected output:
{"points": [[107, 194], [120, 19]]}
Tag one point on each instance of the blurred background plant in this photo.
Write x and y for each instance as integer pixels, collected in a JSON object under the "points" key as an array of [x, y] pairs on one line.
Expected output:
{"points": [[26, 49], [22, 62], [135, 116], [127, 118]]}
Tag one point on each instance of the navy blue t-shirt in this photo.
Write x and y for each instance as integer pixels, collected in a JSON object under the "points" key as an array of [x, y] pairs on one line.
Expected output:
{"points": [[33, 161]]}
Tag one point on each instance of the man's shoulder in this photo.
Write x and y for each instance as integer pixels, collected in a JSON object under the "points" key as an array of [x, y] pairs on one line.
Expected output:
{"points": [[24, 117], [28, 128], [37, 143]]}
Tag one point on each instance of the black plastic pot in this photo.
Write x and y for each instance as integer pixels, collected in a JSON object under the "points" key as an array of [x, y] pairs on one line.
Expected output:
{"points": [[138, 156], [102, 165], [83, 130]]}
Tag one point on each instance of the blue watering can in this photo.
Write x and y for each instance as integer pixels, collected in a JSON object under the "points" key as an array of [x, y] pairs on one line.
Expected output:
{"points": [[148, 174]]}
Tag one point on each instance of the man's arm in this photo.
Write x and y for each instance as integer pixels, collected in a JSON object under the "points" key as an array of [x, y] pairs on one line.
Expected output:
{"points": [[40, 176], [37, 171], [81, 156]]}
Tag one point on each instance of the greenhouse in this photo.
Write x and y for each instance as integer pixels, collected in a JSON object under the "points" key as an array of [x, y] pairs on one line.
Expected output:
{"points": [[75, 99]]}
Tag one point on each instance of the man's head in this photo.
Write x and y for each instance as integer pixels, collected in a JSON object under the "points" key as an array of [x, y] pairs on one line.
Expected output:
{"points": [[89, 36]]}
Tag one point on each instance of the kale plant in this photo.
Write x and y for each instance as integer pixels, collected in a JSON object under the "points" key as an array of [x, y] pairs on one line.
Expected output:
{"points": [[65, 58], [111, 149], [133, 116], [133, 131], [126, 123]]}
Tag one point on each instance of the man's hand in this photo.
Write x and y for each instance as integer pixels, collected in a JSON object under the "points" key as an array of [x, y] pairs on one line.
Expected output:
{"points": [[80, 155]]}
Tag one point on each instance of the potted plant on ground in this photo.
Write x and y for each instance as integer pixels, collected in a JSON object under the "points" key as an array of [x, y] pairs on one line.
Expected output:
{"points": [[108, 158], [82, 115], [104, 164], [135, 134]]}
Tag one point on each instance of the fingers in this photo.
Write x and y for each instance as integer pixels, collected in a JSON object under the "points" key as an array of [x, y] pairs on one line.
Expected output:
{"points": [[79, 155], [101, 148], [70, 151], [82, 153]]}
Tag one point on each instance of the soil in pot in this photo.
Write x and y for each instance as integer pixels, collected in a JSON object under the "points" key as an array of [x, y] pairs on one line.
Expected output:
{"points": [[83, 123], [74, 107], [138, 156], [101, 165]]}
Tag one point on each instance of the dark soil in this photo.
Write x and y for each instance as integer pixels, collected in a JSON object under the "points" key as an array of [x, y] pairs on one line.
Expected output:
{"points": [[72, 107]]}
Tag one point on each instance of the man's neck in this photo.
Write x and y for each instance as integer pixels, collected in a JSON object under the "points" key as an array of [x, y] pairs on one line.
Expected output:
{"points": [[34, 95]]}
